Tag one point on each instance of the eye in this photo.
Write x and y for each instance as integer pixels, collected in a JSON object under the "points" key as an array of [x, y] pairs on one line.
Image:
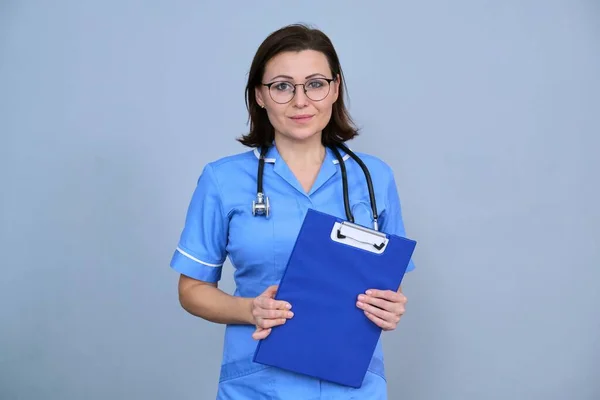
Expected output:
{"points": [[282, 86], [315, 84]]}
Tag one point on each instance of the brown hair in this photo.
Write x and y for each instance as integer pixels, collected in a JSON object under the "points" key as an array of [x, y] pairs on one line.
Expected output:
{"points": [[295, 37]]}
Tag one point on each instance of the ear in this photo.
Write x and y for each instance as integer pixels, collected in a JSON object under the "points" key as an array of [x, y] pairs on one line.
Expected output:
{"points": [[336, 87], [259, 96]]}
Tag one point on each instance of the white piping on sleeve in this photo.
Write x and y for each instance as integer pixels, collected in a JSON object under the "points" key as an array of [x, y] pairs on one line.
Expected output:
{"points": [[198, 261]]}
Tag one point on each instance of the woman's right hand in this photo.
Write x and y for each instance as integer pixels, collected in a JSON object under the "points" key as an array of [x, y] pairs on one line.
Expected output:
{"points": [[268, 312]]}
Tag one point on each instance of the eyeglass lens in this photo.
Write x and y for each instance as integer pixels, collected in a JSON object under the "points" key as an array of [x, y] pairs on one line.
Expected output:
{"points": [[315, 89]]}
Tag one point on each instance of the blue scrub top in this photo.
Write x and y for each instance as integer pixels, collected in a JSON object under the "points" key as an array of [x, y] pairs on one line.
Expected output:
{"points": [[220, 224]]}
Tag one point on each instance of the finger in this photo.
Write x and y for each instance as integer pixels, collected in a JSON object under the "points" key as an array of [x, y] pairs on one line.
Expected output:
{"points": [[260, 333], [390, 295], [380, 313], [380, 303], [270, 323], [272, 314], [385, 325], [271, 304]]}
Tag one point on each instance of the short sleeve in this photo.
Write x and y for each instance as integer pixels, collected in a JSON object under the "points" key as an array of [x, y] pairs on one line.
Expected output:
{"points": [[391, 220], [201, 250]]}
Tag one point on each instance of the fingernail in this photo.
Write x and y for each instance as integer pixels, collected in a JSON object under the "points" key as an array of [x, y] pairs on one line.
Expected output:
{"points": [[369, 292], [288, 306], [290, 314], [358, 303], [361, 297]]}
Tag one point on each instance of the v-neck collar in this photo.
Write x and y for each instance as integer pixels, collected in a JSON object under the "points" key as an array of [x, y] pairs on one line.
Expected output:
{"points": [[327, 170]]}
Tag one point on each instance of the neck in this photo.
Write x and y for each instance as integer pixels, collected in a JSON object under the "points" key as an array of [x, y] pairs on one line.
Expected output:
{"points": [[300, 153]]}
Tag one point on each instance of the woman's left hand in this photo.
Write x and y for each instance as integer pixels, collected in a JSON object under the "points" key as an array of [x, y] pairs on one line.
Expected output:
{"points": [[383, 307]]}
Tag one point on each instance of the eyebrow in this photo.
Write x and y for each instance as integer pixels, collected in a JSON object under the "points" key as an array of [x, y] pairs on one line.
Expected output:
{"points": [[291, 78]]}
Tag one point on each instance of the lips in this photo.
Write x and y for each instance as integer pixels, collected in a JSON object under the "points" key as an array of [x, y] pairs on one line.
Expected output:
{"points": [[301, 118]]}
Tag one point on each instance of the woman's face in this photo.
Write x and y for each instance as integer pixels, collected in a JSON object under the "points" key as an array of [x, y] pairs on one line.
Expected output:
{"points": [[306, 114]]}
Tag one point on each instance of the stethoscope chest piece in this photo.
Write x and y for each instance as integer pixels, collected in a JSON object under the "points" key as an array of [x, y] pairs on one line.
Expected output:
{"points": [[261, 206]]}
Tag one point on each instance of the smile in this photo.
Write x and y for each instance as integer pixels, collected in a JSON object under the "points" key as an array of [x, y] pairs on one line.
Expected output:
{"points": [[301, 118]]}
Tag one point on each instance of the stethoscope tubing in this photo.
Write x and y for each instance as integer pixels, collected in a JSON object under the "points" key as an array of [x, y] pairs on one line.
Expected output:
{"points": [[348, 211]]}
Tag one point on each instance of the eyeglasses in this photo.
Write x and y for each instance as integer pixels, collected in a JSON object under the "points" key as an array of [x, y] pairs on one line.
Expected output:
{"points": [[283, 92]]}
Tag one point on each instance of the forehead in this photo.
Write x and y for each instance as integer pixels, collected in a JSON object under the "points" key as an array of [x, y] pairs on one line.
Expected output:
{"points": [[298, 65]]}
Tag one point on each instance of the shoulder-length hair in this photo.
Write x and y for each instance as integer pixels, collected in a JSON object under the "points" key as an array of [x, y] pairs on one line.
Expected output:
{"points": [[296, 37]]}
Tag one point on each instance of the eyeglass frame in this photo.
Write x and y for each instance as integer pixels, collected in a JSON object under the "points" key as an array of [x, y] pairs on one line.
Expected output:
{"points": [[329, 80]]}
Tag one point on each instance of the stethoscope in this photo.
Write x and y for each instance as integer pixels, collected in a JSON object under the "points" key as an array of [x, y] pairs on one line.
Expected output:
{"points": [[261, 205]]}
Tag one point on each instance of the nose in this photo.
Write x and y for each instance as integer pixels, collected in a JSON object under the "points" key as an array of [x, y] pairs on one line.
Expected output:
{"points": [[300, 98]]}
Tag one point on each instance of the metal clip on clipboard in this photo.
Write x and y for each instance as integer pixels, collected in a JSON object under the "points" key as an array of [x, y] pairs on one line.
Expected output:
{"points": [[354, 235]]}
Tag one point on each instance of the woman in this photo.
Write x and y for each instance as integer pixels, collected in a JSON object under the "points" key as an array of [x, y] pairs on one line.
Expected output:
{"points": [[295, 100]]}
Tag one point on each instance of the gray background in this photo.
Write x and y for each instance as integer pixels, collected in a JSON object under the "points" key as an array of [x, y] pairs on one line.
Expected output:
{"points": [[487, 111]]}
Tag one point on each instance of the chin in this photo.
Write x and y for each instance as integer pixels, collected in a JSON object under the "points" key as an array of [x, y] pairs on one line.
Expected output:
{"points": [[303, 136]]}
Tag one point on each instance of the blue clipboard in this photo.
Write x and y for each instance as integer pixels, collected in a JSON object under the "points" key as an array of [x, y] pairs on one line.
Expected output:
{"points": [[332, 262]]}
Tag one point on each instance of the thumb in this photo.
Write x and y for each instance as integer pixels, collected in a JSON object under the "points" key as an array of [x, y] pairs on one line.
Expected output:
{"points": [[271, 290]]}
